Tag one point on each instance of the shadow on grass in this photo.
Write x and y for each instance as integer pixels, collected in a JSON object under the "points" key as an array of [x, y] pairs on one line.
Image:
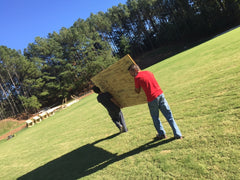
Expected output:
{"points": [[83, 161]]}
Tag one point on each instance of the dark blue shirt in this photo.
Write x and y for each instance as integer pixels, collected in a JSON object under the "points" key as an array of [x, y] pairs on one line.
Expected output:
{"points": [[105, 100]]}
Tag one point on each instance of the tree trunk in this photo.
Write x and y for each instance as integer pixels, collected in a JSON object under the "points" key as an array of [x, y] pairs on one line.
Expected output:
{"points": [[4, 92]]}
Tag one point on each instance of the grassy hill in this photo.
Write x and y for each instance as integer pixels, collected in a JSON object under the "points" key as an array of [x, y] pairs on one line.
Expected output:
{"points": [[202, 86]]}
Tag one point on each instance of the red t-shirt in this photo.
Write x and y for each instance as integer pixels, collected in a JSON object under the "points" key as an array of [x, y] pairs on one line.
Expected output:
{"points": [[149, 84]]}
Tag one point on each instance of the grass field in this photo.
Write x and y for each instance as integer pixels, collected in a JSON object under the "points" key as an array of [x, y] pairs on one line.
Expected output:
{"points": [[202, 86]]}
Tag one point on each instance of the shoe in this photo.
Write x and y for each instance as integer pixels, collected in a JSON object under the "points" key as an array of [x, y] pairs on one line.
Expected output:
{"points": [[178, 137], [159, 137], [121, 130]]}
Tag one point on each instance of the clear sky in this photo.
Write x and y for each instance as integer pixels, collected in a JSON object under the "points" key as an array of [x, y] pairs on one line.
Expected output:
{"points": [[23, 20]]}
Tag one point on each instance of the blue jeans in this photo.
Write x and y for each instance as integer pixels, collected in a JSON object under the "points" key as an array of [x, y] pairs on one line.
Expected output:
{"points": [[161, 103], [118, 119]]}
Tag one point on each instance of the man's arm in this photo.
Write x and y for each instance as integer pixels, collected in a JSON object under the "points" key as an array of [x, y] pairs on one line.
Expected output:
{"points": [[137, 90], [115, 102]]}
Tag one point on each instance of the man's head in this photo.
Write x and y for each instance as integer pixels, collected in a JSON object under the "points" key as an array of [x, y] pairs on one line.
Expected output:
{"points": [[133, 69], [96, 89]]}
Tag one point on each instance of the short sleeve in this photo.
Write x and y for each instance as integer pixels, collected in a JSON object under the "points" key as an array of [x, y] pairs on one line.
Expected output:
{"points": [[108, 95], [137, 85]]}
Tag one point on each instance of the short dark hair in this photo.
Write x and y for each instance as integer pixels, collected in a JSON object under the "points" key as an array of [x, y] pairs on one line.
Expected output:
{"points": [[96, 89], [133, 67]]}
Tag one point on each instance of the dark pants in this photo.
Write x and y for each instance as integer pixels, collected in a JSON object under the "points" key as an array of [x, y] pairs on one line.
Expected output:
{"points": [[118, 119]]}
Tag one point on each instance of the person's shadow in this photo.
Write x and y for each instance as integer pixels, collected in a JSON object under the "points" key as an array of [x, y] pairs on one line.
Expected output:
{"points": [[84, 161]]}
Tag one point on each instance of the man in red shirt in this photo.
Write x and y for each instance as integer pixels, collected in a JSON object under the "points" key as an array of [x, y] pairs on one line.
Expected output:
{"points": [[156, 100]]}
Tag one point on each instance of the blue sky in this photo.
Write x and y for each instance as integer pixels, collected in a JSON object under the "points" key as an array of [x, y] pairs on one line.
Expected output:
{"points": [[23, 20]]}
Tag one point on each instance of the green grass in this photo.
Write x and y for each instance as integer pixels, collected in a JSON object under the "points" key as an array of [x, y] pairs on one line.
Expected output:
{"points": [[202, 86]]}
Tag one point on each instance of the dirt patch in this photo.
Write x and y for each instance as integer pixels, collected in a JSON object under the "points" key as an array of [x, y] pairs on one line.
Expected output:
{"points": [[14, 131], [13, 119]]}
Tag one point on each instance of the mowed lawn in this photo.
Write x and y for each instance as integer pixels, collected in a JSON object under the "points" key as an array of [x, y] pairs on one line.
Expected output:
{"points": [[202, 86]]}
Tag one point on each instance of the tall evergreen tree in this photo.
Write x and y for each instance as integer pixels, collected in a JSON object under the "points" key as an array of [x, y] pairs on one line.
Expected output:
{"points": [[13, 70]]}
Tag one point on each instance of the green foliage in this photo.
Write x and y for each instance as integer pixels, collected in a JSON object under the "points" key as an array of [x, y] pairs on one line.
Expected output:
{"points": [[31, 104], [124, 46], [67, 61], [17, 75]]}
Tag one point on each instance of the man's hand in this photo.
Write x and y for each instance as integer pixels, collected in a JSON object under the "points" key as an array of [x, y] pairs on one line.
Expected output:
{"points": [[116, 103], [137, 90]]}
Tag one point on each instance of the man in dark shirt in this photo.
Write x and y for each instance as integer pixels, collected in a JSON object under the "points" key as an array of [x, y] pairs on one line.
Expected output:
{"points": [[113, 107]]}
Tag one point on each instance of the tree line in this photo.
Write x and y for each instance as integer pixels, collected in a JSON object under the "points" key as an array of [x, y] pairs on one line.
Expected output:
{"points": [[60, 65]]}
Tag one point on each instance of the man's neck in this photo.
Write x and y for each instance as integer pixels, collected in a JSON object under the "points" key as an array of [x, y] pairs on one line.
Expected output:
{"points": [[136, 73]]}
